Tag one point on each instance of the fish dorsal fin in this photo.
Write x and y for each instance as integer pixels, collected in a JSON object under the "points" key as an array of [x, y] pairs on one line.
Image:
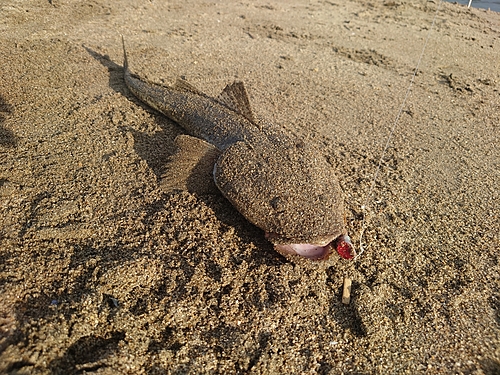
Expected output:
{"points": [[235, 97], [182, 85], [191, 166]]}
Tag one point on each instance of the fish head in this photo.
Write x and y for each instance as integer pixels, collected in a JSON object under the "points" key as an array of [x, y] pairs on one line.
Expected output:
{"points": [[290, 191]]}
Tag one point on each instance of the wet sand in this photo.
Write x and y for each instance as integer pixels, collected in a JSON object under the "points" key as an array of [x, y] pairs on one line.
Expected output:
{"points": [[103, 272]]}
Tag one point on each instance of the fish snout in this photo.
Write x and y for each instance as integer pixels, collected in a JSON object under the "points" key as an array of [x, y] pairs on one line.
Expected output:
{"points": [[341, 244]]}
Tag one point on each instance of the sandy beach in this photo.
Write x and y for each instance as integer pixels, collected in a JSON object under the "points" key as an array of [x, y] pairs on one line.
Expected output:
{"points": [[103, 272]]}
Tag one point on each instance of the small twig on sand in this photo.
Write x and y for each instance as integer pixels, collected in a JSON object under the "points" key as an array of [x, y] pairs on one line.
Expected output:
{"points": [[346, 293]]}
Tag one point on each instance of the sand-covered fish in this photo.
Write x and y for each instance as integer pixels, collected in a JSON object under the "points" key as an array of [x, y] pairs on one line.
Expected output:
{"points": [[281, 184]]}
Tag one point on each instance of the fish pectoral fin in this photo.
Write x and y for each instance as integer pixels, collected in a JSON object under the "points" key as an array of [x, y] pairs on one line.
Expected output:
{"points": [[235, 97], [191, 166]]}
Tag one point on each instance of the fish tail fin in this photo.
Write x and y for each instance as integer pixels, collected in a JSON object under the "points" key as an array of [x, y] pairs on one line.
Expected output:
{"points": [[125, 61]]}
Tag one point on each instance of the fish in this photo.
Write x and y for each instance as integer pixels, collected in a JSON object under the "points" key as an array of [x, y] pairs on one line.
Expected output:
{"points": [[277, 181]]}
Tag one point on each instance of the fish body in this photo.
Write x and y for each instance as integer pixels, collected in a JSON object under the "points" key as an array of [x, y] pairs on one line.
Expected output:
{"points": [[277, 182]]}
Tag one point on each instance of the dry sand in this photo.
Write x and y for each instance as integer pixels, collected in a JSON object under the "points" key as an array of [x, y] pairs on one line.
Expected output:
{"points": [[102, 272]]}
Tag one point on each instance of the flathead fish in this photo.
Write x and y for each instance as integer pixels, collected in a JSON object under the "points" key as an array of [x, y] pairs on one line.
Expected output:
{"points": [[277, 182]]}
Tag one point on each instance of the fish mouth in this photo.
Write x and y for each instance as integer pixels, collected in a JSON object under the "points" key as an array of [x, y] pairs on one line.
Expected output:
{"points": [[321, 251]]}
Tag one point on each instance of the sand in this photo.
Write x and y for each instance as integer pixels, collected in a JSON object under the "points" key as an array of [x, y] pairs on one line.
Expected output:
{"points": [[102, 272]]}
